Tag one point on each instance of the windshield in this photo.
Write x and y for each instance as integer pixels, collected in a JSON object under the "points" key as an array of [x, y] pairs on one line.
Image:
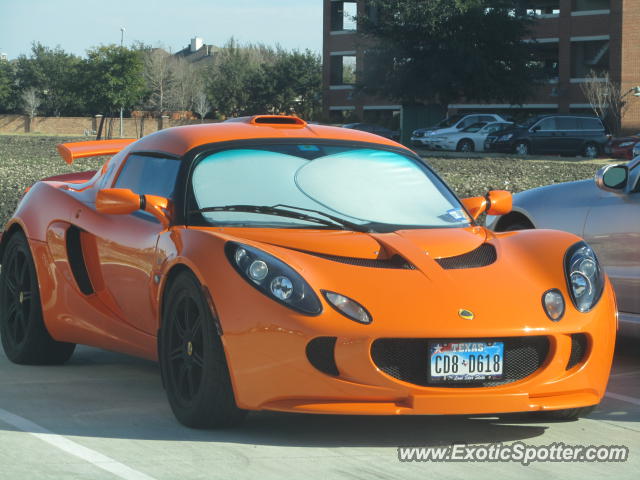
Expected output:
{"points": [[447, 122], [355, 188], [475, 127], [530, 122]]}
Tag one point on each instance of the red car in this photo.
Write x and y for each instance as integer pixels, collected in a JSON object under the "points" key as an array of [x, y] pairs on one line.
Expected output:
{"points": [[623, 147]]}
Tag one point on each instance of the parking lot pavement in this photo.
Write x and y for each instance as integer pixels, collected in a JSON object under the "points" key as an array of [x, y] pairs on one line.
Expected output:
{"points": [[105, 416]]}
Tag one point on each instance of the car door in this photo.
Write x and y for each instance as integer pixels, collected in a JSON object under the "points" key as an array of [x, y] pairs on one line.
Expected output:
{"points": [[125, 245], [568, 138], [612, 228], [541, 135]]}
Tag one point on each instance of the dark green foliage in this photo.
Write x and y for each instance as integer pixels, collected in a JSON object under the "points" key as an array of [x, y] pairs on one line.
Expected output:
{"points": [[247, 80], [114, 79], [441, 51], [55, 75], [7, 87]]}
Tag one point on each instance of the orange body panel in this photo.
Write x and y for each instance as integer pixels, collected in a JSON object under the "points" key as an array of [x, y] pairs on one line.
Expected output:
{"points": [[129, 261]]}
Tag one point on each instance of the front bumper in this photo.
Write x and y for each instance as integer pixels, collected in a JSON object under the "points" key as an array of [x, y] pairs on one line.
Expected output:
{"points": [[271, 370]]}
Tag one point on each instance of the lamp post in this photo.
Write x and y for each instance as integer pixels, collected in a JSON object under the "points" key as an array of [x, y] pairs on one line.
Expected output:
{"points": [[122, 30]]}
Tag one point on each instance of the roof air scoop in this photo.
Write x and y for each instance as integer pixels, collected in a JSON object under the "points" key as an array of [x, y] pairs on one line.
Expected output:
{"points": [[286, 121]]}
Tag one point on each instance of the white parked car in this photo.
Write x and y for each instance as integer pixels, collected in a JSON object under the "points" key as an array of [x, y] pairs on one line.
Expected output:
{"points": [[471, 139], [422, 137]]}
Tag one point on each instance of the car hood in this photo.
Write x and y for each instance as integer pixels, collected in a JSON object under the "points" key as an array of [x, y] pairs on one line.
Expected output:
{"points": [[437, 242]]}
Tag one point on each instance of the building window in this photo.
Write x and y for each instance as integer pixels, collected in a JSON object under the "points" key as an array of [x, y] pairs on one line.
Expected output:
{"points": [[538, 7], [343, 15], [589, 56], [343, 69], [547, 59], [589, 5]]}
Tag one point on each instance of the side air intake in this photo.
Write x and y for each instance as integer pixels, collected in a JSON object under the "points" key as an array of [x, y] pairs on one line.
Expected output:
{"points": [[482, 256]]}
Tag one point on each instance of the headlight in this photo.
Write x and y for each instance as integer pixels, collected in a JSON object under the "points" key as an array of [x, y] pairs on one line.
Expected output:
{"points": [[584, 276], [506, 138], [273, 277], [626, 144], [347, 307], [636, 150]]}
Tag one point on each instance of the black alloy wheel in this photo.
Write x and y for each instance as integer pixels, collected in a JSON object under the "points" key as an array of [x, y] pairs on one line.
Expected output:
{"points": [[192, 359], [25, 339]]}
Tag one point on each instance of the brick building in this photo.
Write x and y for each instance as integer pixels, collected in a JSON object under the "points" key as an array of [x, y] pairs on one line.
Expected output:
{"points": [[572, 36]]}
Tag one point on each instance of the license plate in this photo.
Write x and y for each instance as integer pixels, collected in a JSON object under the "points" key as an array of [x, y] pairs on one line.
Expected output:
{"points": [[465, 361]]}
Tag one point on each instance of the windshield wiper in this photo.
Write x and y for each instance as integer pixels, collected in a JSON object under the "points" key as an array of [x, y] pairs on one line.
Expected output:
{"points": [[285, 211]]}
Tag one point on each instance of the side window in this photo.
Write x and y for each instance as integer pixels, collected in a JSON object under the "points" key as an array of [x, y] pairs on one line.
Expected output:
{"points": [[566, 123], [547, 124], [148, 175], [464, 123], [487, 118], [590, 124]]}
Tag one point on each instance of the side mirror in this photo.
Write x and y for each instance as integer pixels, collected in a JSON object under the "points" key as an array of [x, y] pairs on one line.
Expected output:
{"points": [[122, 201], [612, 178], [496, 202]]}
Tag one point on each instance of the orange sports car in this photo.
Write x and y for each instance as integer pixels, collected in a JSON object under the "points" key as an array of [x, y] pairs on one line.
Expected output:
{"points": [[268, 264]]}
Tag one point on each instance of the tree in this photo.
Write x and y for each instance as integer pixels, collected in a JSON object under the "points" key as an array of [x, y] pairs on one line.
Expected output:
{"points": [[160, 77], [187, 83], [115, 78], [230, 79], [295, 83], [201, 104], [441, 51], [55, 74], [7, 86], [30, 103], [607, 99]]}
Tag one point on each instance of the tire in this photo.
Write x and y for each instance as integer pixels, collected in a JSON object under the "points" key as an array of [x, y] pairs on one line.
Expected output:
{"points": [[465, 145], [566, 415], [522, 148], [25, 339], [192, 359], [590, 150], [517, 225]]}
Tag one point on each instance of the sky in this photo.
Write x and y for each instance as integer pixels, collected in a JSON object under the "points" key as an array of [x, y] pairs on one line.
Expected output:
{"points": [[77, 25]]}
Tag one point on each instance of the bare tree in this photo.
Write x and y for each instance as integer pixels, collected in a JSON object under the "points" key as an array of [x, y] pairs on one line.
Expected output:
{"points": [[31, 102], [201, 104], [160, 78], [185, 86], [606, 98]]}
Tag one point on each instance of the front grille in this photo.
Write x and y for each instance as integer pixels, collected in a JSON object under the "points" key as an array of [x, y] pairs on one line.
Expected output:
{"points": [[578, 349], [482, 256], [320, 353], [395, 262], [407, 359]]}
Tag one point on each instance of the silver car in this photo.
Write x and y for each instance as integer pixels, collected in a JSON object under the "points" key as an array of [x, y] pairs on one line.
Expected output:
{"points": [[606, 213]]}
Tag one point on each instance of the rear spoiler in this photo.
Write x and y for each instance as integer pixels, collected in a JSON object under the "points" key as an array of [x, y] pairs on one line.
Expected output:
{"points": [[96, 148]]}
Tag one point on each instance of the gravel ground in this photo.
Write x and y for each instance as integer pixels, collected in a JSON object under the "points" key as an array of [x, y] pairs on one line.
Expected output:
{"points": [[24, 159]]}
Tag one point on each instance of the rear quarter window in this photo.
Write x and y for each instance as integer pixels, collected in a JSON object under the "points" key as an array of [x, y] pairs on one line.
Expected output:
{"points": [[590, 124]]}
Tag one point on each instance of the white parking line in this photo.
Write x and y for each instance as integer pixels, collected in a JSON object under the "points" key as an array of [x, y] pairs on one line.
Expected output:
{"points": [[99, 460], [624, 398]]}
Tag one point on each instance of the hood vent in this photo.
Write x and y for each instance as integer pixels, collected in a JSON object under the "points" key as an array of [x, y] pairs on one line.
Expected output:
{"points": [[395, 262], [482, 256]]}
